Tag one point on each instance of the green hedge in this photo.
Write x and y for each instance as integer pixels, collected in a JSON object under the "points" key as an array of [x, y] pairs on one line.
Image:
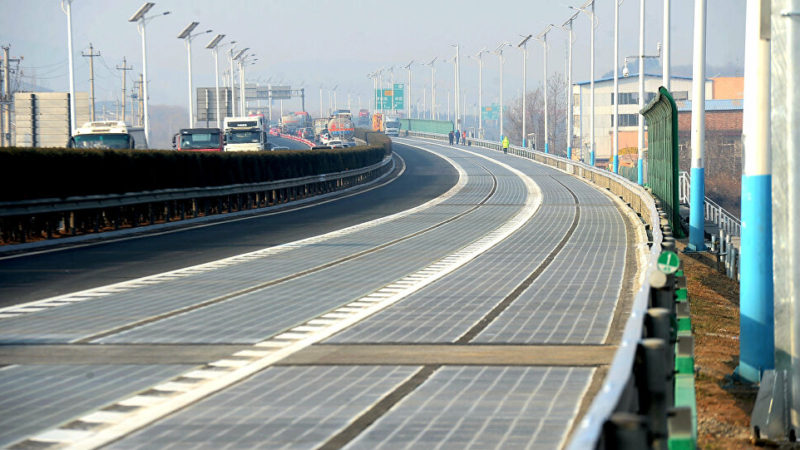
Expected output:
{"points": [[374, 138], [31, 173]]}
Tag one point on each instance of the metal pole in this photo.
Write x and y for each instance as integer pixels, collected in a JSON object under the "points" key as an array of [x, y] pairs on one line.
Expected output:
{"points": [[433, 93], [756, 336], [501, 96], [785, 40], [665, 72], [480, 95], [216, 82], [615, 144], [698, 188], [546, 111], [66, 5], [242, 87], [459, 123], [591, 119], [640, 135], [570, 125], [524, 91], [191, 94], [233, 84], [145, 101], [321, 113]]}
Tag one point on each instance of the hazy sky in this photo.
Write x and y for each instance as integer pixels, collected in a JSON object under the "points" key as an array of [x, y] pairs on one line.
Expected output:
{"points": [[323, 42]]}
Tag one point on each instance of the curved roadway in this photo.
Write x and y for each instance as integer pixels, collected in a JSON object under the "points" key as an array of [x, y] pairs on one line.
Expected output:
{"points": [[470, 303]]}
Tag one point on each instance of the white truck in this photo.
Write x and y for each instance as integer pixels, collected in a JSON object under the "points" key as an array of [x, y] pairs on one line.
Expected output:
{"points": [[245, 134], [391, 127], [109, 134]]}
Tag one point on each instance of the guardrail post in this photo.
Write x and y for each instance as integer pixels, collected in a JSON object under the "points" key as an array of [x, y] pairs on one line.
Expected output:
{"points": [[652, 377], [625, 431]]}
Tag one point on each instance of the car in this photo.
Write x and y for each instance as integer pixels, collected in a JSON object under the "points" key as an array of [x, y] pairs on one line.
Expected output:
{"points": [[349, 144], [280, 148], [335, 143], [324, 138]]}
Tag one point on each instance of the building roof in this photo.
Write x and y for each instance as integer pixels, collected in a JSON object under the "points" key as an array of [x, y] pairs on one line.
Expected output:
{"points": [[633, 75], [711, 105]]}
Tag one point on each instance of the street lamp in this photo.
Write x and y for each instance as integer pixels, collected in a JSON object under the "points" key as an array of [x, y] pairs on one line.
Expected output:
{"points": [[543, 38], [479, 57], [457, 88], [625, 72], [591, 70], [408, 106], [187, 36], [66, 6], [524, 47], [499, 52], [433, 88], [213, 47], [233, 78], [242, 61], [140, 18], [615, 118], [569, 85]]}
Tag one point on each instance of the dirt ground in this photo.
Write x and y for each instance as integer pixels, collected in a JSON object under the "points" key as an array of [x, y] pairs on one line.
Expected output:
{"points": [[723, 406]]}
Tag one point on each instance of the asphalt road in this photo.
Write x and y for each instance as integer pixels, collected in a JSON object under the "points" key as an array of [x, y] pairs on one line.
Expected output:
{"points": [[27, 278]]}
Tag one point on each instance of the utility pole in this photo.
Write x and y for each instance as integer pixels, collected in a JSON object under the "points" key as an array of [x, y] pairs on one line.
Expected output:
{"points": [[125, 68], [91, 56]]}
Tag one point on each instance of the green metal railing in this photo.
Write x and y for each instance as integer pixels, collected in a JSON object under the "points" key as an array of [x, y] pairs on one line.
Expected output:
{"points": [[662, 158], [427, 126]]}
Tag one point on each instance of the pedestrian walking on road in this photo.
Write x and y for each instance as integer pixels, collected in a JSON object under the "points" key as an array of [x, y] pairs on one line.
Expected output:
{"points": [[464, 137], [505, 144], [450, 136], [458, 136]]}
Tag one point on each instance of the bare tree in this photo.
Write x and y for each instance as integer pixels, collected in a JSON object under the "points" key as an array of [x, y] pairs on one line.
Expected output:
{"points": [[556, 104]]}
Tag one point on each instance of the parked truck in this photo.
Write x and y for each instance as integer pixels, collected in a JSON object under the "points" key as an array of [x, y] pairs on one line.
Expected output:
{"points": [[108, 135], [245, 134]]}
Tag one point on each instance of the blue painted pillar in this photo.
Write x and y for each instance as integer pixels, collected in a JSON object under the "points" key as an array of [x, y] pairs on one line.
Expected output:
{"points": [[615, 165], [569, 152], [591, 156], [697, 188], [640, 171], [756, 290], [546, 147]]}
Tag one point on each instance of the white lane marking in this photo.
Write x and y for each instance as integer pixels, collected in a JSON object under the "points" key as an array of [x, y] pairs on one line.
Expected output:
{"points": [[62, 436], [291, 342], [124, 286], [102, 417]]}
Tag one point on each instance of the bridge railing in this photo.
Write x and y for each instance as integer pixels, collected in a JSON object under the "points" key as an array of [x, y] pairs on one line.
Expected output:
{"points": [[20, 221], [726, 244], [647, 398]]}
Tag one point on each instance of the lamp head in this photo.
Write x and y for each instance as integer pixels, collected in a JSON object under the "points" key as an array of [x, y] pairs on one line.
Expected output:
{"points": [[141, 11], [188, 30], [625, 71]]}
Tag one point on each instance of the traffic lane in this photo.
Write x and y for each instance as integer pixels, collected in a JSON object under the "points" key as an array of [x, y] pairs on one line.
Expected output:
{"points": [[33, 277], [284, 142]]}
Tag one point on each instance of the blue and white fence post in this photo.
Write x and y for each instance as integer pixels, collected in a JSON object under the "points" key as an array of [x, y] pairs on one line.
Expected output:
{"points": [[756, 335], [697, 190]]}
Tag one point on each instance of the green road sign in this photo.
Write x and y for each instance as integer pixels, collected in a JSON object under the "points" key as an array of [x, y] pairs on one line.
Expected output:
{"points": [[668, 262], [387, 99], [491, 112]]}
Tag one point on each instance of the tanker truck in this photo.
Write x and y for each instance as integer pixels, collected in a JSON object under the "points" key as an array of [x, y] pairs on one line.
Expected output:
{"points": [[341, 128]]}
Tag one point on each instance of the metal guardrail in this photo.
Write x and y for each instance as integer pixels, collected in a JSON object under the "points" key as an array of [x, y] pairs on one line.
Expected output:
{"points": [[713, 212], [641, 404], [20, 220], [726, 244]]}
